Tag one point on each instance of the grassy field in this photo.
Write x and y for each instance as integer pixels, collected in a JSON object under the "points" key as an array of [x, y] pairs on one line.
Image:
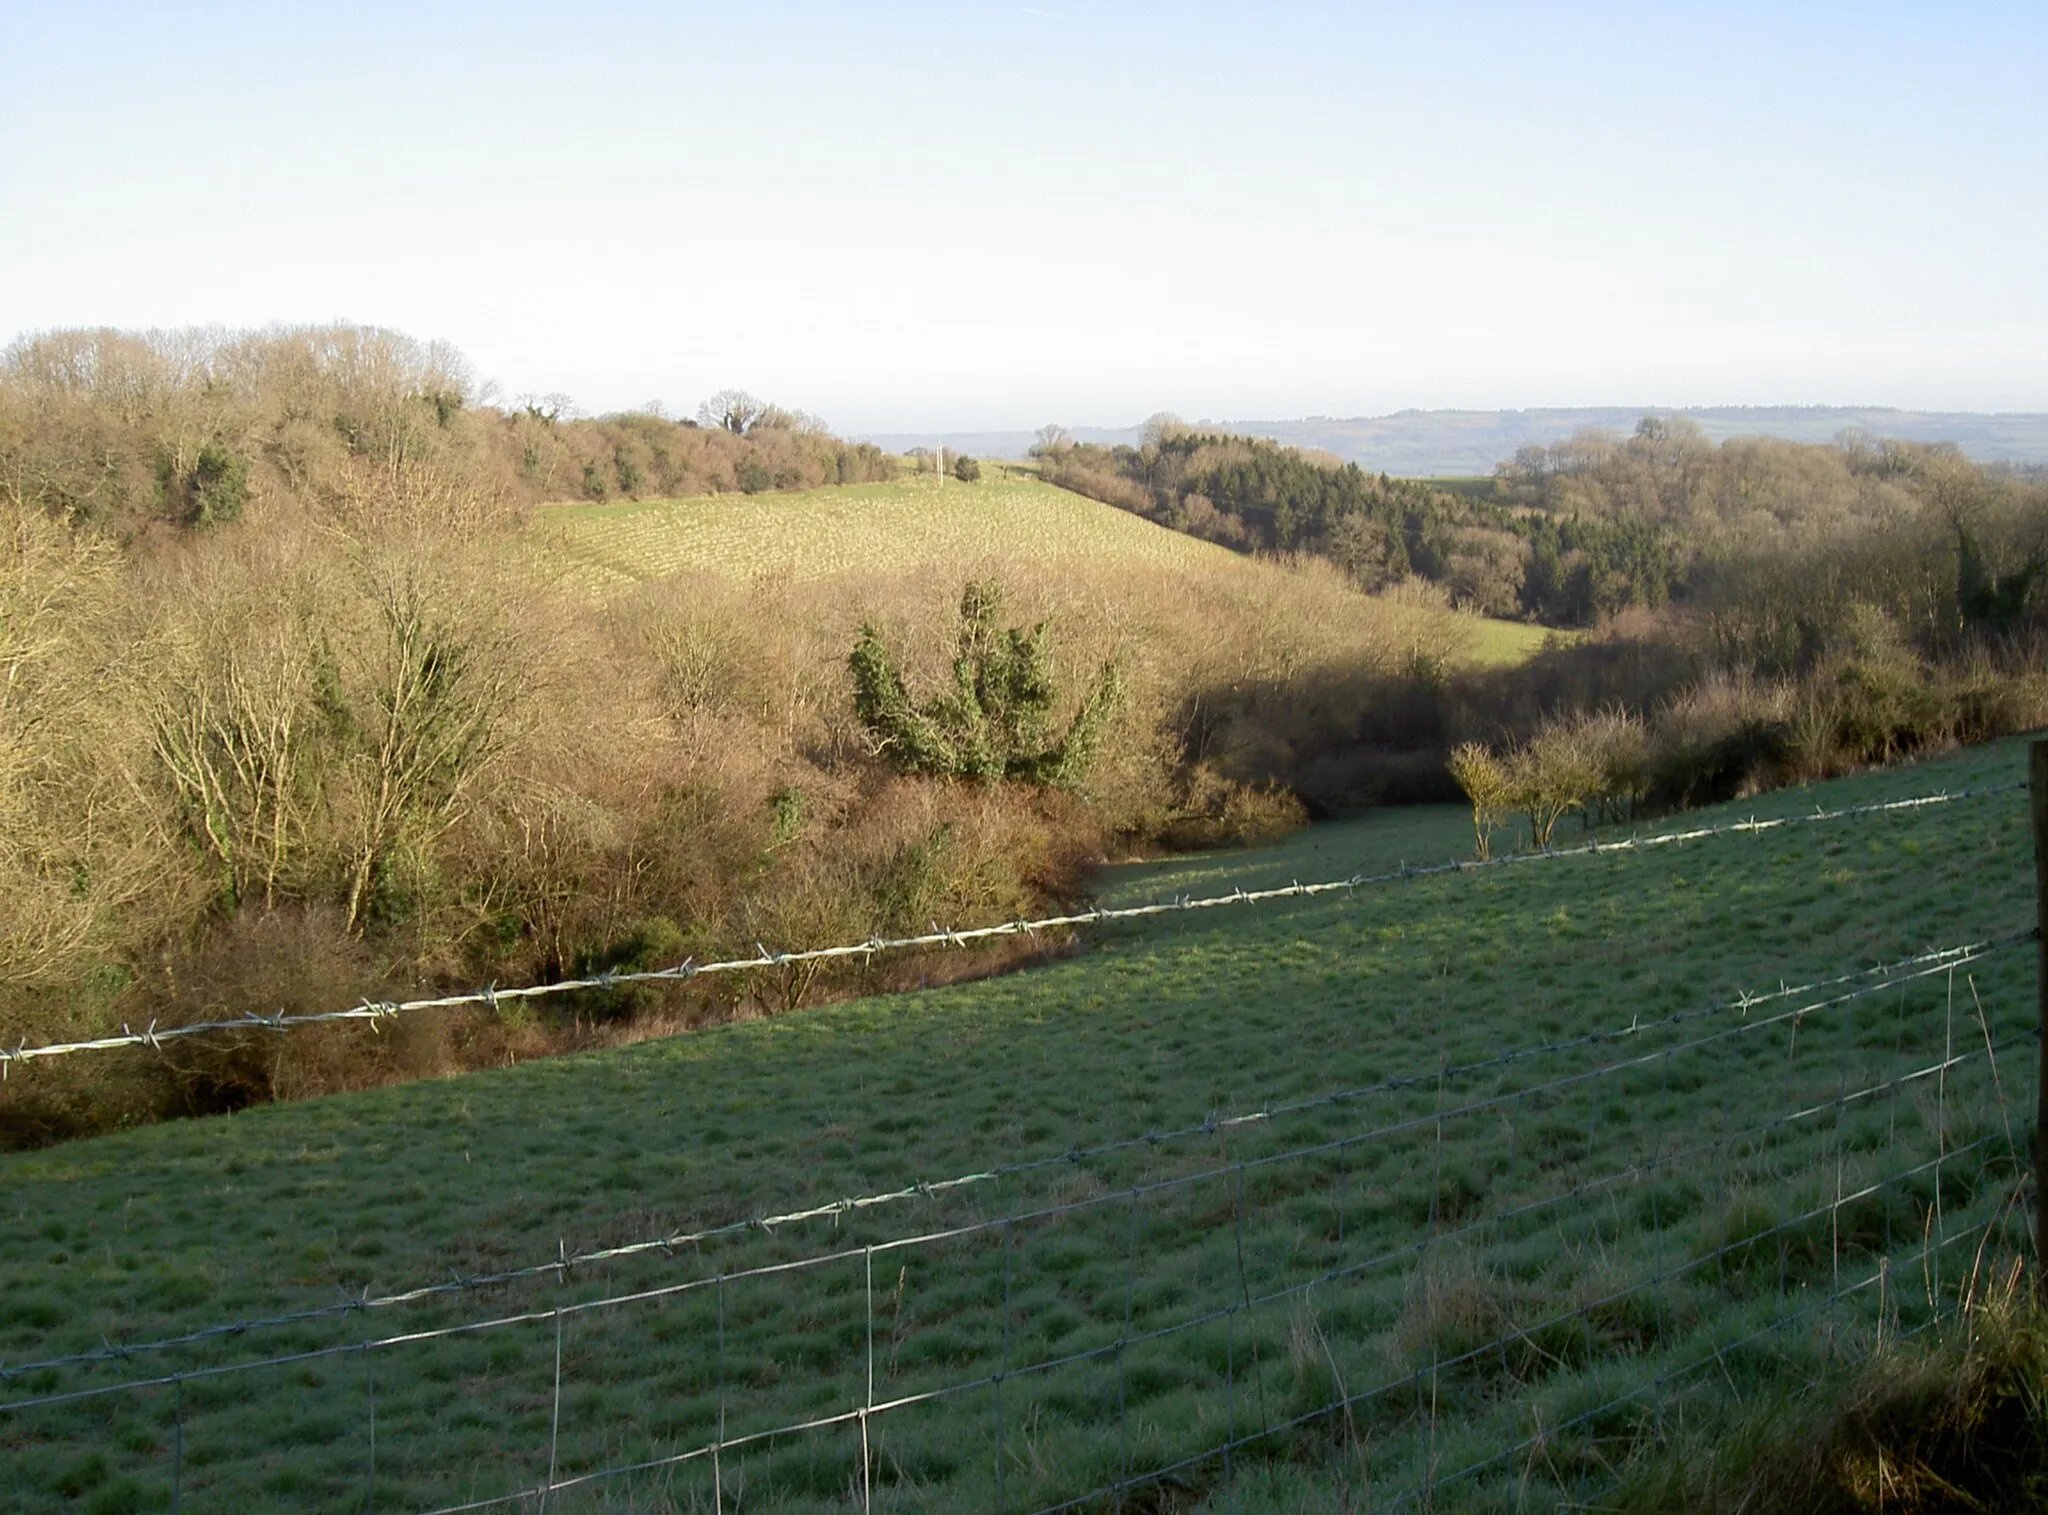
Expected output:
{"points": [[821, 533], [1502, 644], [1251, 1273], [1010, 517]]}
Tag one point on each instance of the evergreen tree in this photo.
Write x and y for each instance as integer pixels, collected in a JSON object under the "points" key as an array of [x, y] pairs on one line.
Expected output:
{"points": [[996, 721]]}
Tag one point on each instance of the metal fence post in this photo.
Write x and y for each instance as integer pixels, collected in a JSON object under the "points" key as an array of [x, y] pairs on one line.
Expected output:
{"points": [[178, 1453], [2037, 785]]}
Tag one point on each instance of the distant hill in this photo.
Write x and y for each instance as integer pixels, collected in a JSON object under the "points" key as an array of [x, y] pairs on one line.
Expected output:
{"points": [[1437, 443], [1003, 444]]}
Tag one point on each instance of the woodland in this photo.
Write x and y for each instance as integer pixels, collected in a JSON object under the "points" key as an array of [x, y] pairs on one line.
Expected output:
{"points": [[292, 706]]}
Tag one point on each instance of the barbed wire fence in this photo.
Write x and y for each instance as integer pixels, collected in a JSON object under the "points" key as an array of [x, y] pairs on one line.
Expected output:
{"points": [[378, 1012], [1821, 993], [1507, 1266]]}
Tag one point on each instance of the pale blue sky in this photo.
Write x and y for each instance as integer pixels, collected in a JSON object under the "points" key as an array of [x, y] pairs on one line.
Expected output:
{"points": [[929, 216]]}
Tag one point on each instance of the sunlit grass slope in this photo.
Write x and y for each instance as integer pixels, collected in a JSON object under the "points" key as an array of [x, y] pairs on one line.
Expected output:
{"points": [[821, 533], [1151, 1027], [1502, 644], [1010, 517]]}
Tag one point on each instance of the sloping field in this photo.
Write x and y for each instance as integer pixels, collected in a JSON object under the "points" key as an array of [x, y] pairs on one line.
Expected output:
{"points": [[1502, 644], [820, 533], [885, 528], [1456, 1190]]}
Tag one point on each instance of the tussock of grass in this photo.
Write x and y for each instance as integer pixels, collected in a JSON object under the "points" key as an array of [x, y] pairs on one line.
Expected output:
{"points": [[1956, 1421]]}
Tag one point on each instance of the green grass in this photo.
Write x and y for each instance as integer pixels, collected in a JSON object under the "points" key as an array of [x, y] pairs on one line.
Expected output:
{"points": [[1009, 518], [821, 533], [1152, 1026], [1503, 644]]}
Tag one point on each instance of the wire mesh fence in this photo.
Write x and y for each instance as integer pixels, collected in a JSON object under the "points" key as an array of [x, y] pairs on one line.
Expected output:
{"points": [[1503, 1269]]}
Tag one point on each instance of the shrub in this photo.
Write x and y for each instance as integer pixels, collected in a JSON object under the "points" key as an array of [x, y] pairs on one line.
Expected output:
{"points": [[966, 470], [1597, 764], [1720, 739], [1618, 744], [219, 486], [1487, 785], [1217, 812], [995, 722], [1556, 773], [272, 962]]}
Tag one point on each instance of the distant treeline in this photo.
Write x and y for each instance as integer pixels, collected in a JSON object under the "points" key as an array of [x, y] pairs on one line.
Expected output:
{"points": [[1752, 613], [130, 432], [1596, 525]]}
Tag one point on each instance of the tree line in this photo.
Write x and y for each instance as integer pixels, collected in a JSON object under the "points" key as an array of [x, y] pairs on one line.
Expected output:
{"points": [[1741, 615], [1576, 533], [159, 431]]}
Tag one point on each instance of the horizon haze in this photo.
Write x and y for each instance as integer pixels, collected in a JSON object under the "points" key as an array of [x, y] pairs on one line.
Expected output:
{"points": [[1451, 443], [922, 217]]}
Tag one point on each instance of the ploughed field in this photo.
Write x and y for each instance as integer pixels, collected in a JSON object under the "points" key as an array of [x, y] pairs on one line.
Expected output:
{"points": [[1539, 1159]]}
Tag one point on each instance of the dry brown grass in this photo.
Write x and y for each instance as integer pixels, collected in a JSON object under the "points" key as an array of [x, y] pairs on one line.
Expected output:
{"points": [[1951, 1424]]}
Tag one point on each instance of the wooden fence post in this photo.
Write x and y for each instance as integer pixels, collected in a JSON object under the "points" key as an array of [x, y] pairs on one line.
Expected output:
{"points": [[2037, 783]]}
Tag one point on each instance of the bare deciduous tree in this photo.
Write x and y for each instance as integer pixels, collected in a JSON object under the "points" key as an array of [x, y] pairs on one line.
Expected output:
{"points": [[733, 410], [234, 732], [438, 678]]}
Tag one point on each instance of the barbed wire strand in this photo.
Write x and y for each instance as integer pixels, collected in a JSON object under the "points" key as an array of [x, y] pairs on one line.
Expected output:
{"points": [[872, 1407], [1885, 976], [1037, 1215], [866, 1411], [1605, 1184], [376, 1012], [1719, 1354]]}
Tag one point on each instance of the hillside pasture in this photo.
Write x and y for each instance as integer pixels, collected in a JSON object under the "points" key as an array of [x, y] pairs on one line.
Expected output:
{"points": [[1010, 524], [1505, 644], [863, 528], [1574, 1165]]}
